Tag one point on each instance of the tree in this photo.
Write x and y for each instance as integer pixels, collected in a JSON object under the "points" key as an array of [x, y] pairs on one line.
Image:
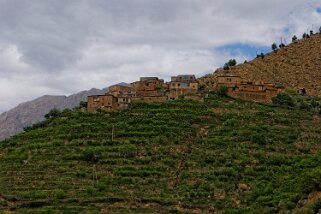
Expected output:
{"points": [[222, 91], [281, 45], [83, 104], [283, 100], [230, 63], [262, 55], [320, 29], [274, 47], [294, 38], [226, 67], [304, 35], [311, 32], [52, 113]]}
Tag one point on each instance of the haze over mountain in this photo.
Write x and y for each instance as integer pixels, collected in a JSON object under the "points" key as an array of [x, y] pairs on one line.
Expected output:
{"points": [[28, 113]]}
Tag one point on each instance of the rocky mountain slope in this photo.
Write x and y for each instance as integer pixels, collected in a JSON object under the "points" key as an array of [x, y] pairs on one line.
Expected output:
{"points": [[28, 113], [297, 65]]}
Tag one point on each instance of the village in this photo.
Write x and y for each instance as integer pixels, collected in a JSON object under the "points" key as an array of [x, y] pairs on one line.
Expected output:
{"points": [[153, 89]]}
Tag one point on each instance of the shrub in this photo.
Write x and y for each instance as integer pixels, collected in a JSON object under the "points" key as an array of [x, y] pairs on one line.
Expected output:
{"points": [[59, 194], [317, 206], [294, 38], [226, 67], [83, 104], [262, 55], [311, 181], [283, 100], [91, 155], [222, 91], [52, 113], [230, 63], [258, 138], [274, 47], [291, 91]]}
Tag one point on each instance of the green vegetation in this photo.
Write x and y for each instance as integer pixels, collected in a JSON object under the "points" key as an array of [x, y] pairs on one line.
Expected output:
{"points": [[274, 47], [221, 155], [230, 63], [306, 103]]}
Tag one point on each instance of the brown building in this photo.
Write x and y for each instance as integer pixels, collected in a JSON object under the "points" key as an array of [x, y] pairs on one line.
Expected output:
{"points": [[106, 102], [229, 80], [183, 78], [182, 85], [148, 89], [148, 84], [252, 91], [118, 90]]}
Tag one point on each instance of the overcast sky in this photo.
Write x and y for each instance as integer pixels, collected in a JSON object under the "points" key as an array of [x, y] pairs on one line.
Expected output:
{"points": [[61, 47]]}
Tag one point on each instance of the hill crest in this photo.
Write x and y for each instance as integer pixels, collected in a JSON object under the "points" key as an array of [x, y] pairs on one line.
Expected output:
{"points": [[296, 65]]}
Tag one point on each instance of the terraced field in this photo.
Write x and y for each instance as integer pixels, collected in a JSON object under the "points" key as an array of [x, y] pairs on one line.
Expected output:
{"points": [[217, 156]]}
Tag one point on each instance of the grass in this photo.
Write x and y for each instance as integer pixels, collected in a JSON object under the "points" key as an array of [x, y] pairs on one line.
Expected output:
{"points": [[221, 155]]}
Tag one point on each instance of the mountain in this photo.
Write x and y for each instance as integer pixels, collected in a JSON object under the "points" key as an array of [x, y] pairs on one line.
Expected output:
{"points": [[296, 65], [217, 156], [28, 113]]}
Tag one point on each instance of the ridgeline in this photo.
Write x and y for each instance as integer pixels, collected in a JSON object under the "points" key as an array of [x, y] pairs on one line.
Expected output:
{"points": [[217, 156], [296, 65]]}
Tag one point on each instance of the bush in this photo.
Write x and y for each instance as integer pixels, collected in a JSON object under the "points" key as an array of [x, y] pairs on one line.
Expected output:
{"points": [[230, 63], [91, 155], [52, 113], [283, 100], [317, 206], [311, 181], [274, 47], [83, 104], [222, 91]]}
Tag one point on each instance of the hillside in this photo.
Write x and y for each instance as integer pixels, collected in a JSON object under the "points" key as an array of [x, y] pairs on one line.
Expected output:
{"points": [[219, 156], [26, 114], [297, 65]]}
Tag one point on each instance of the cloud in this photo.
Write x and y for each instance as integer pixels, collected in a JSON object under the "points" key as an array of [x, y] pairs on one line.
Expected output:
{"points": [[62, 47]]}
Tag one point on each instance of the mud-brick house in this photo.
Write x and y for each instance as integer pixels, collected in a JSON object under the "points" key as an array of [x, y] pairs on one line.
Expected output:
{"points": [[183, 78], [252, 91], [122, 93], [228, 80], [148, 84], [106, 102], [149, 89], [182, 85], [118, 90]]}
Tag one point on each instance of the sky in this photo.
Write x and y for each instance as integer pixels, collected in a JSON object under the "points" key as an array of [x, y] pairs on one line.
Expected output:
{"points": [[61, 47]]}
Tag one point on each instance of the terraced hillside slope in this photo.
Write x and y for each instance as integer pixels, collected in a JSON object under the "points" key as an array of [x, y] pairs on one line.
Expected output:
{"points": [[219, 156], [297, 65], [25, 114]]}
